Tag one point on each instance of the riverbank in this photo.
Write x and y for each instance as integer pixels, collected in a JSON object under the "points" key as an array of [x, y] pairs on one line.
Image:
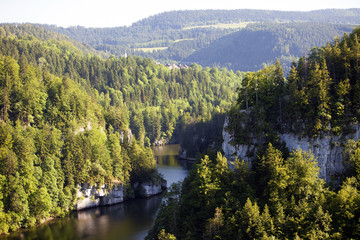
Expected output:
{"points": [[130, 219], [93, 196]]}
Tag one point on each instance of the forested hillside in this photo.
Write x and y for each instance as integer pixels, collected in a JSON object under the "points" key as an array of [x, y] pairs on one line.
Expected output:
{"points": [[174, 36], [54, 135], [258, 44], [68, 117], [280, 195], [155, 100], [320, 95]]}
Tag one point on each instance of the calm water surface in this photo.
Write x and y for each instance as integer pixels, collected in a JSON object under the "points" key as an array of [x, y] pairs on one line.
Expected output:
{"points": [[168, 163], [128, 220]]}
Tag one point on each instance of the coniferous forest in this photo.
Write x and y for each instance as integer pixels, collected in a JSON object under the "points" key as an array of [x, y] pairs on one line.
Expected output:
{"points": [[70, 115], [242, 39], [279, 195]]}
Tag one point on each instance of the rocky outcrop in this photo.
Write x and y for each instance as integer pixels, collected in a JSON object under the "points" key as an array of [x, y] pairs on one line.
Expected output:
{"points": [[326, 149], [91, 196], [183, 155], [148, 189], [160, 142], [231, 151], [126, 135]]}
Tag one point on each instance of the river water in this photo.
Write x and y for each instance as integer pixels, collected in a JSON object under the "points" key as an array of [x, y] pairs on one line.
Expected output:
{"points": [[128, 220]]}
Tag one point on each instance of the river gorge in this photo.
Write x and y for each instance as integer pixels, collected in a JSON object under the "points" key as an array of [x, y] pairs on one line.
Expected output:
{"points": [[128, 220]]}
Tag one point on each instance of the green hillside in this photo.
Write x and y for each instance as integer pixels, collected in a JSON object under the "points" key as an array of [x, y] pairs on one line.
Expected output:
{"points": [[278, 195], [174, 36], [258, 44], [69, 117]]}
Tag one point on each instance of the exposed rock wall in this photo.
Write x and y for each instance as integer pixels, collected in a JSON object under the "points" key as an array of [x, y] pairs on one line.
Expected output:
{"points": [[91, 196], [232, 151], [327, 149], [148, 189]]}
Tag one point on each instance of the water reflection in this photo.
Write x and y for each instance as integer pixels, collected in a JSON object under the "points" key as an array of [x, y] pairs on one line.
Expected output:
{"points": [[168, 163], [128, 220]]}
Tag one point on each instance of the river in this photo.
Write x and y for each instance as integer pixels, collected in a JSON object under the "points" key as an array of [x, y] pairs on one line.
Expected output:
{"points": [[129, 220]]}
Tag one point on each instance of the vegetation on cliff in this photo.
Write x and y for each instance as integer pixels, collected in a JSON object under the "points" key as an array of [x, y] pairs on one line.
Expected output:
{"points": [[241, 39], [280, 194], [68, 116], [278, 197], [319, 96]]}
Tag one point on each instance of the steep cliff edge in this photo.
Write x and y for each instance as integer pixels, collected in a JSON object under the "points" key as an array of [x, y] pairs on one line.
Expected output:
{"points": [[91, 196], [327, 149]]}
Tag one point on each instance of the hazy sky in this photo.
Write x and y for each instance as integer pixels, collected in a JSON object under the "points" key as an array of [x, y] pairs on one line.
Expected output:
{"points": [[110, 13]]}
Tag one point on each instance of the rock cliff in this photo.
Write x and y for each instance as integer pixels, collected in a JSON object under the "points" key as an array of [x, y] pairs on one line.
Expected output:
{"points": [[148, 189], [327, 149], [91, 196]]}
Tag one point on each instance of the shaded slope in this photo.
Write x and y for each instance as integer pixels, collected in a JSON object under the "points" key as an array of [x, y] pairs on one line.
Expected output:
{"points": [[249, 48], [173, 36]]}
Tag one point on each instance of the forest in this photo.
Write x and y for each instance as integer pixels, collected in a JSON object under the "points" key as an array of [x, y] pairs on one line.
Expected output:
{"points": [[69, 116], [251, 48], [208, 36], [278, 195]]}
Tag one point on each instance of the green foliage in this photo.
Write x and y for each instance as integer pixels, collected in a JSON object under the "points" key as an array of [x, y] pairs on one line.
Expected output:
{"points": [[154, 101], [319, 96], [165, 236], [41, 204], [351, 155], [281, 195], [347, 204], [168, 216], [56, 133], [66, 118], [236, 39], [286, 200]]}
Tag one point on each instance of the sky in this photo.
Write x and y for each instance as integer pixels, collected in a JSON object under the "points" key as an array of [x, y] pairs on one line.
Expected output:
{"points": [[113, 13]]}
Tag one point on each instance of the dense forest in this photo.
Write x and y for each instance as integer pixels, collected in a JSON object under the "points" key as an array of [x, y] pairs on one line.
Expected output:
{"points": [[177, 36], [69, 116], [156, 101], [250, 48], [280, 194], [319, 96]]}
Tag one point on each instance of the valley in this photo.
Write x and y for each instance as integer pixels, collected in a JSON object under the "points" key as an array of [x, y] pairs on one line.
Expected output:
{"points": [[264, 104]]}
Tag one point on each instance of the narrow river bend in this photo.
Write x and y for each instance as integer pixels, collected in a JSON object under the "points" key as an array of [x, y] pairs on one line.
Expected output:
{"points": [[128, 220]]}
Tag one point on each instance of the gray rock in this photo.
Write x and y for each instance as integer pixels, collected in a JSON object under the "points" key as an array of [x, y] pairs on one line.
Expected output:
{"points": [[148, 189], [327, 149], [90, 196]]}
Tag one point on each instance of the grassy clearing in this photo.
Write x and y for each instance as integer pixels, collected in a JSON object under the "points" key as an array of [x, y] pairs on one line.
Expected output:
{"points": [[221, 25], [151, 49], [183, 39]]}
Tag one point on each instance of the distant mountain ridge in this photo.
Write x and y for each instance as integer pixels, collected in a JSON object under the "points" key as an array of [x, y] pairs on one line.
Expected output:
{"points": [[193, 35], [250, 48], [180, 19]]}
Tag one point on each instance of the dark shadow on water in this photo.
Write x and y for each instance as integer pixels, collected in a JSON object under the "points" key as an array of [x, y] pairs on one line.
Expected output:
{"points": [[130, 220]]}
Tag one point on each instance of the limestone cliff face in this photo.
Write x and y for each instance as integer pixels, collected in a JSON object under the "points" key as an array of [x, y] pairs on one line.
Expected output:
{"points": [[232, 151], [327, 150], [148, 189], [92, 196]]}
